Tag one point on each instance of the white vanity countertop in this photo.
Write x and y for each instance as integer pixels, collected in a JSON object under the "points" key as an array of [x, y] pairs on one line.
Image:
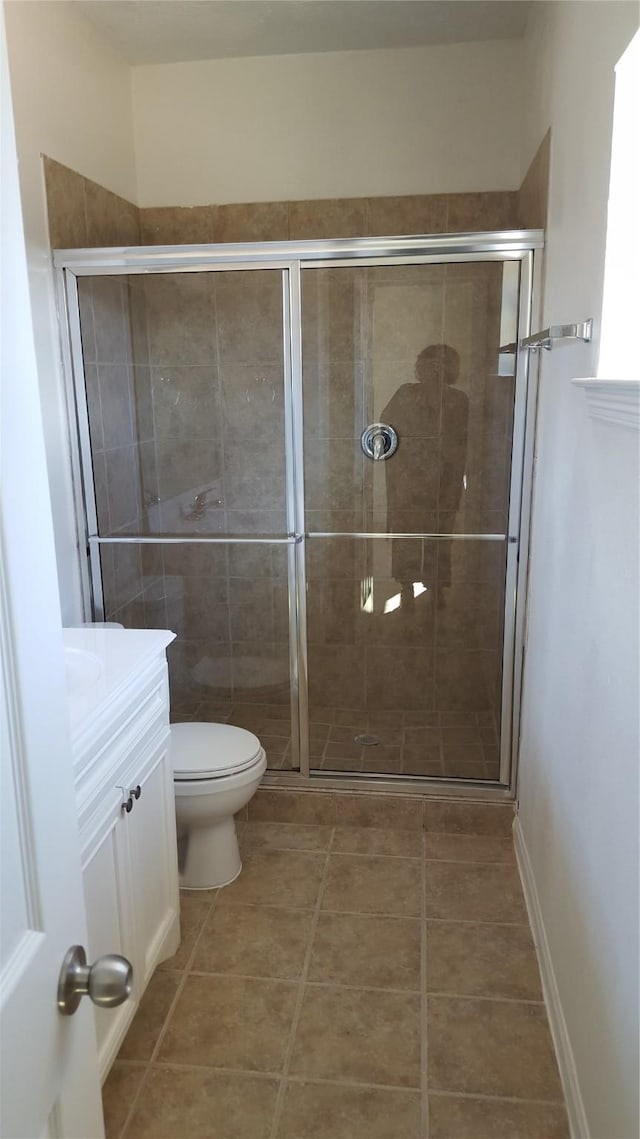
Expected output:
{"points": [[102, 662]]}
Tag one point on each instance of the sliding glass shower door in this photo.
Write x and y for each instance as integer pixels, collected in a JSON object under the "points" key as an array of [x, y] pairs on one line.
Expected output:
{"points": [[186, 378], [310, 469], [408, 419]]}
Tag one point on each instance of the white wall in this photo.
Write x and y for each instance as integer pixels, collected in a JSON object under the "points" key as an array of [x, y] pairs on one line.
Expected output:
{"points": [[72, 101], [580, 750], [338, 124]]}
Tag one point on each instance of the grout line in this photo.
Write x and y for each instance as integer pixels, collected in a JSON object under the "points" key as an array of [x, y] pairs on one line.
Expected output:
{"points": [[163, 1030], [277, 1114], [495, 1098], [424, 1042]]}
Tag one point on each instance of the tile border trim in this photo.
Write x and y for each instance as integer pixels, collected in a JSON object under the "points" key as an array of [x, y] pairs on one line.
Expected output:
{"points": [[578, 1123]]}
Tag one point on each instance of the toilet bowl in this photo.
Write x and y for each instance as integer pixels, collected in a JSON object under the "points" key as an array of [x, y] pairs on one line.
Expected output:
{"points": [[216, 770]]}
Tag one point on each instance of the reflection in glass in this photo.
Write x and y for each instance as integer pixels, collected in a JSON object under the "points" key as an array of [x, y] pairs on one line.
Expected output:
{"points": [[228, 605], [182, 372]]}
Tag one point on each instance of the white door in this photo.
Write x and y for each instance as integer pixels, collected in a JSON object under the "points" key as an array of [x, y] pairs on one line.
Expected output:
{"points": [[49, 1074]]}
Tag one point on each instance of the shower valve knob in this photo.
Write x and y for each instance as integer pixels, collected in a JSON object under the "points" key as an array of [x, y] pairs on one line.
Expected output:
{"points": [[379, 441]]}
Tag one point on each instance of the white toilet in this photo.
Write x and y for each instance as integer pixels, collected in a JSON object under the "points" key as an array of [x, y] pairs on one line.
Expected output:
{"points": [[217, 768]]}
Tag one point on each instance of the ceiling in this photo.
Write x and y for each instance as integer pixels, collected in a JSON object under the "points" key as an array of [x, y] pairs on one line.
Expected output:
{"points": [[172, 31]]}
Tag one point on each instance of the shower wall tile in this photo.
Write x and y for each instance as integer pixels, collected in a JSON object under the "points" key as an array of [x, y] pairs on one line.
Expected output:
{"points": [[327, 218], [534, 191], [336, 676], [399, 677], [94, 407], [463, 681], [260, 672], [110, 319], [334, 398], [122, 487], [253, 221], [180, 315], [253, 404], [480, 211], [186, 402], [65, 206], [111, 220], [249, 317], [410, 214], [178, 225], [116, 399]]}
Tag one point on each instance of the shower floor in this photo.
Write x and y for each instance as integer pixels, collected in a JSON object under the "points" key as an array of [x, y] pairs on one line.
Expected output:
{"points": [[450, 745]]}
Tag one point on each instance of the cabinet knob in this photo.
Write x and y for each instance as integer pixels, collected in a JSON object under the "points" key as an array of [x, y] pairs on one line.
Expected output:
{"points": [[108, 982], [128, 805], [136, 791]]}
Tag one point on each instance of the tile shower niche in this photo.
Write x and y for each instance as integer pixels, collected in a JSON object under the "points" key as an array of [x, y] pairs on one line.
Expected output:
{"points": [[359, 614]]}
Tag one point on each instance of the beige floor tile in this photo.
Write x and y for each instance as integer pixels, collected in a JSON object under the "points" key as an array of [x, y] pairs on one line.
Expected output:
{"points": [[285, 836], [371, 951], [469, 848], [193, 912], [370, 840], [482, 960], [465, 891], [277, 878], [386, 811], [443, 817], [362, 1035], [231, 1022], [256, 941], [495, 1048], [452, 1117], [150, 1016], [119, 1089], [199, 1104], [271, 805], [333, 1111], [360, 884]]}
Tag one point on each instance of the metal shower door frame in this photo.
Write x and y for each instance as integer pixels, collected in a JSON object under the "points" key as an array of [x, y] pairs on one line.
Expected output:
{"points": [[290, 258]]}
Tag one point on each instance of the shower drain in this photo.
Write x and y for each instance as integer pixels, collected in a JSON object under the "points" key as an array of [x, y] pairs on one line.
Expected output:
{"points": [[367, 741]]}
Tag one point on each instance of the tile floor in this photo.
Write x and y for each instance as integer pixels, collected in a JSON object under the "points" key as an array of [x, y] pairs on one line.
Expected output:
{"points": [[452, 745], [353, 982]]}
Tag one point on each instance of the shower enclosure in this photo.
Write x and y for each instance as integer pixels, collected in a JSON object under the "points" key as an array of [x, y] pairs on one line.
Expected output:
{"points": [[308, 460]]}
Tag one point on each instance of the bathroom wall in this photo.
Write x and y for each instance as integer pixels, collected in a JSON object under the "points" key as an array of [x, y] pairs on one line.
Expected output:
{"points": [[72, 101], [327, 125], [579, 751]]}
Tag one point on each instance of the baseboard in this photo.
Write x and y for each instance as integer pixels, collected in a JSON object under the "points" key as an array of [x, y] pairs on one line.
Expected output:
{"points": [[578, 1125]]}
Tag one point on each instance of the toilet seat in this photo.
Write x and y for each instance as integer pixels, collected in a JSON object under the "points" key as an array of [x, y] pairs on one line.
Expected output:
{"points": [[205, 751]]}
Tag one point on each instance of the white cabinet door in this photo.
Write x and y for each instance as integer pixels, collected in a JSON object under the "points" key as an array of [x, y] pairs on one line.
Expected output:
{"points": [[106, 877], [151, 830]]}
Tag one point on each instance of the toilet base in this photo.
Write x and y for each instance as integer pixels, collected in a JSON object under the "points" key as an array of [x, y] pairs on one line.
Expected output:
{"points": [[210, 856]]}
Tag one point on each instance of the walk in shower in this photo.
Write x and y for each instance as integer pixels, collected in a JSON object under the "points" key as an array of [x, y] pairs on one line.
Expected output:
{"points": [[308, 459]]}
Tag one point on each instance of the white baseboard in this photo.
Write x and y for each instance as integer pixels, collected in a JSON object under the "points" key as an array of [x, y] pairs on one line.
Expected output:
{"points": [[578, 1125]]}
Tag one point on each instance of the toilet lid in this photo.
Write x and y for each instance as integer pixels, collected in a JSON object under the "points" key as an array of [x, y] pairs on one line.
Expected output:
{"points": [[206, 751]]}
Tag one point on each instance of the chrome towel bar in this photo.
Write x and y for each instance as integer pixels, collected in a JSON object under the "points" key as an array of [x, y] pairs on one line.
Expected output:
{"points": [[548, 337]]}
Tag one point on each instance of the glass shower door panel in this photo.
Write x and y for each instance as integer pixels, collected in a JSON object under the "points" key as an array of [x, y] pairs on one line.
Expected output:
{"points": [[405, 656], [415, 347], [228, 605], [185, 399]]}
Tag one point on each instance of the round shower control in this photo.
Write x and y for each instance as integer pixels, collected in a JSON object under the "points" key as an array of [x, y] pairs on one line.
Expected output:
{"points": [[379, 441]]}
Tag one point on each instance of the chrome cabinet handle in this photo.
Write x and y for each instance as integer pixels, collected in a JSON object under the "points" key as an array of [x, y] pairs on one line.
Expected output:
{"points": [[108, 982]]}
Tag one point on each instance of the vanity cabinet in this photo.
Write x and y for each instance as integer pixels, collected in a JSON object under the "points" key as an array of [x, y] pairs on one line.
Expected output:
{"points": [[124, 786]]}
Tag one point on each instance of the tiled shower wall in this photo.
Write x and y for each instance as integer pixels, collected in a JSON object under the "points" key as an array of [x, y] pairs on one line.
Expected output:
{"points": [[147, 342]]}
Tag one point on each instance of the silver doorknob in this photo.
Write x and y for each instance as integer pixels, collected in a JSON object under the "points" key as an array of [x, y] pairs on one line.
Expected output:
{"points": [[108, 982]]}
